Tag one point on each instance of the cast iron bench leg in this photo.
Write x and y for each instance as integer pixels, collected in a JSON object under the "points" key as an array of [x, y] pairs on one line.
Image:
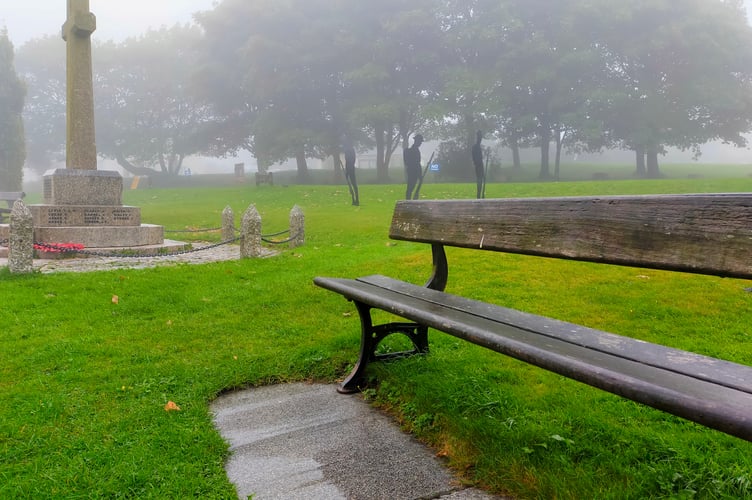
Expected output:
{"points": [[371, 336]]}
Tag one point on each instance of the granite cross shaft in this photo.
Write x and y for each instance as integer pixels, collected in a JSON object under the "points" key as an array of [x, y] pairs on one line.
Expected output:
{"points": [[81, 149]]}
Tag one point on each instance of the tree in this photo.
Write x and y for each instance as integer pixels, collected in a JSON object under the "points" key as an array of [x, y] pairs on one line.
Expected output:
{"points": [[288, 78], [304, 74], [550, 67], [681, 75], [148, 118], [12, 94], [265, 58], [396, 75], [41, 63], [473, 38]]}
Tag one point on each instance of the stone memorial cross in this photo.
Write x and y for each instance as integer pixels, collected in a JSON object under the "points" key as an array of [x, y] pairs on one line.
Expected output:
{"points": [[82, 204], [81, 150]]}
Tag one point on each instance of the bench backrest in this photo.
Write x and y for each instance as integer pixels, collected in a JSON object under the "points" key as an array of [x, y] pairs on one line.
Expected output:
{"points": [[696, 233], [11, 196]]}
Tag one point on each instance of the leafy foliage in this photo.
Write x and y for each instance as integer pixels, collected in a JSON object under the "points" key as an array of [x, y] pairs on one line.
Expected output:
{"points": [[678, 75], [12, 94], [41, 64], [147, 116], [285, 79]]}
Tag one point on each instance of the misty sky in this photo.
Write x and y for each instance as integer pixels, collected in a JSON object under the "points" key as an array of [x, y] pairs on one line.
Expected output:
{"points": [[116, 19]]}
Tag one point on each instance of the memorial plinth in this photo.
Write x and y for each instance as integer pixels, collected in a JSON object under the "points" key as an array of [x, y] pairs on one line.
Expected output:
{"points": [[69, 186], [85, 206]]}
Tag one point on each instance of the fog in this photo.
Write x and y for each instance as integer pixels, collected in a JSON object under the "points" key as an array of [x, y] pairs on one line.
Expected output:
{"points": [[116, 19], [185, 78]]}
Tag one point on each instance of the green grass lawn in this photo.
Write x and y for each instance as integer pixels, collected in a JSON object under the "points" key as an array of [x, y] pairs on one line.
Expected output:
{"points": [[84, 380]]}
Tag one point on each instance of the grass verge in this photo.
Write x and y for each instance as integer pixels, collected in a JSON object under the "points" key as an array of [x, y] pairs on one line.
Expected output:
{"points": [[84, 380]]}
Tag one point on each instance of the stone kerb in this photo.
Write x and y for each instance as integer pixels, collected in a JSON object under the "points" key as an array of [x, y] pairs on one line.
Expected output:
{"points": [[21, 240], [228, 224], [297, 227], [250, 233]]}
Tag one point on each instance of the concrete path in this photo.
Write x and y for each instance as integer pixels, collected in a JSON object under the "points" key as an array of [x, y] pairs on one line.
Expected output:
{"points": [[303, 441]]}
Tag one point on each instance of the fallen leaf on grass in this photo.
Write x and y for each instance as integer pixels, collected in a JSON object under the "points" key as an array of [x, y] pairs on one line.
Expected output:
{"points": [[171, 406], [115, 299]]}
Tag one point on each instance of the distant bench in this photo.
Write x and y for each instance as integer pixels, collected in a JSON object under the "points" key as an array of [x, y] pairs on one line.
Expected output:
{"points": [[9, 197], [704, 234]]}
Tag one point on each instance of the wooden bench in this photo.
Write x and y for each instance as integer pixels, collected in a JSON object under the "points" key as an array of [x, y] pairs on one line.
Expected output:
{"points": [[9, 197], [705, 234]]}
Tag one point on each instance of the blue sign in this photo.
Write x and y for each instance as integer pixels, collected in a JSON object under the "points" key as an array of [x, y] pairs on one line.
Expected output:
{"points": [[434, 167]]}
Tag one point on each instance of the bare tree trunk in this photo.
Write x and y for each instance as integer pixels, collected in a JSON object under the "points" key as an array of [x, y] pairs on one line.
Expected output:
{"points": [[382, 172], [470, 130], [339, 168], [300, 159], [178, 163], [545, 145], [640, 171], [514, 145], [653, 172], [557, 160], [393, 144]]}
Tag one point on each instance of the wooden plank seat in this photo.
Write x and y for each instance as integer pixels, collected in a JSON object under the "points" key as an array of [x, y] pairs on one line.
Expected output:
{"points": [[705, 234]]}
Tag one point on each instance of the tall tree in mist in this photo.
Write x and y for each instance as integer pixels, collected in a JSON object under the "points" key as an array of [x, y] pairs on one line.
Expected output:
{"points": [[395, 73], [288, 79], [680, 75], [266, 64], [41, 64], [549, 68], [469, 72], [303, 74], [12, 94], [148, 118]]}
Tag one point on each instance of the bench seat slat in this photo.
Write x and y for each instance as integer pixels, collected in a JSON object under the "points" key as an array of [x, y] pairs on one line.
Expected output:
{"points": [[722, 399], [715, 370]]}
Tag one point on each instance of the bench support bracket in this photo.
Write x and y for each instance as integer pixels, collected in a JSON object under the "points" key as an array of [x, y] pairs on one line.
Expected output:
{"points": [[371, 337]]}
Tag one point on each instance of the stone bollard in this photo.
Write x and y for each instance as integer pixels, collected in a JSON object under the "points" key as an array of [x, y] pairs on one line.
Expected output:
{"points": [[297, 227], [228, 224], [250, 233], [21, 244]]}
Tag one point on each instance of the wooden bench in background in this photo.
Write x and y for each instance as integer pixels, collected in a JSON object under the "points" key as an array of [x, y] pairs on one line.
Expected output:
{"points": [[705, 234], [9, 197]]}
